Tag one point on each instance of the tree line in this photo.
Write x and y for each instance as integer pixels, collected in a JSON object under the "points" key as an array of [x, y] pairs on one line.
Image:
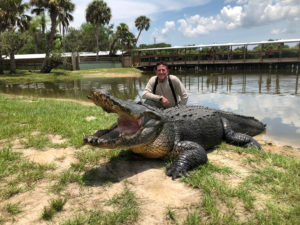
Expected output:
{"points": [[21, 33]]}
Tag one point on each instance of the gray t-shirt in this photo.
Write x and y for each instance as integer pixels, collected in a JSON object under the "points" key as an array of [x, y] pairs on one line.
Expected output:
{"points": [[163, 89]]}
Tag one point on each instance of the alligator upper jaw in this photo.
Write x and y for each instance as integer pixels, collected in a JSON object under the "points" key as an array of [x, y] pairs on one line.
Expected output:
{"points": [[130, 108]]}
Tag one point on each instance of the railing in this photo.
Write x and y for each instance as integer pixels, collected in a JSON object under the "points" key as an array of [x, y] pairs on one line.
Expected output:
{"points": [[282, 51]]}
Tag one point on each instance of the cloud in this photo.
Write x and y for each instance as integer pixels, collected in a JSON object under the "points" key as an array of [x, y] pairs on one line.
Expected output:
{"points": [[247, 13], [128, 10], [157, 36], [278, 31], [160, 35], [198, 25], [169, 25]]}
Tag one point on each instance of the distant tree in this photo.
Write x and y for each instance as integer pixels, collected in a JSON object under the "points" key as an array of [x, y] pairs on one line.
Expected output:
{"points": [[73, 40], [12, 17], [158, 45], [125, 39], [98, 13], [11, 42], [72, 43], [54, 8], [120, 33], [142, 23], [64, 22], [88, 31]]}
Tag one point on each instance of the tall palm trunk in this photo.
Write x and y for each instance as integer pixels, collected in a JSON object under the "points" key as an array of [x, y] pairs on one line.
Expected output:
{"points": [[1, 64], [35, 37], [46, 67], [138, 37], [97, 41], [112, 47], [12, 63]]}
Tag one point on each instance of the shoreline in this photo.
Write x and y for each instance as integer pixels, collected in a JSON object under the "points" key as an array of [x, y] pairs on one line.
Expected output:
{"points": [[111, 75]]}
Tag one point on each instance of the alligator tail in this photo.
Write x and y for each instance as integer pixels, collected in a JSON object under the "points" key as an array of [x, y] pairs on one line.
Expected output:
{"points": [[244, 124]]}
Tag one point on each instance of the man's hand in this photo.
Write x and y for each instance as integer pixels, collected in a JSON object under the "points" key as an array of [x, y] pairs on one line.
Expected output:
{"points": [[164, 101]]}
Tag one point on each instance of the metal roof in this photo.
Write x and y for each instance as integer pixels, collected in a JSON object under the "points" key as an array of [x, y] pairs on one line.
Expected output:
{"points": [[66, 54], [218, 45]]}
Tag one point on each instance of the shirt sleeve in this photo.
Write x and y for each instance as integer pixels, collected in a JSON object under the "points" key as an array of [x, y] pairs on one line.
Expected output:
{"points": [[148, 92], [181, 91]]}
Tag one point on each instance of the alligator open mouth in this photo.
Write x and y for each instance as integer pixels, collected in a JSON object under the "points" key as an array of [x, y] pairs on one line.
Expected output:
{"points": [[134, 120]]}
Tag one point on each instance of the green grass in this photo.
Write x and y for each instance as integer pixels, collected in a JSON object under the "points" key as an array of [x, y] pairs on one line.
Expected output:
{"points": [[56, 205], [276, 177], [126, 211], [68, 176], [24, 76], [13, 208], [18, 174], [270, 194], [20, 118]]}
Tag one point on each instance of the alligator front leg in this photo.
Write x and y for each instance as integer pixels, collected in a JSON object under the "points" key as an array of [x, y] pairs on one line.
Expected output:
{"points": [[238, 139], [192, 155]]}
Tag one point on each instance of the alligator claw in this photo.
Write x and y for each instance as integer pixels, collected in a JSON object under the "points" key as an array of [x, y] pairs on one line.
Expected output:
{"points": [[175, 172]]}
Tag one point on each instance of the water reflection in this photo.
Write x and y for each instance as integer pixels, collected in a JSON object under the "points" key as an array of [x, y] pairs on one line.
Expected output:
{"points": [[274, 99]]}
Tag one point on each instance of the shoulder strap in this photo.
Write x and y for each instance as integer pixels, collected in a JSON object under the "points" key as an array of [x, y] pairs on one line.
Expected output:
{"points": [[155, 85], [172, 89], [171, 86]]}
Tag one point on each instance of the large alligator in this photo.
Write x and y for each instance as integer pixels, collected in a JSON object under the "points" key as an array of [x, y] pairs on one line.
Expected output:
{"points": [[180, 134]]}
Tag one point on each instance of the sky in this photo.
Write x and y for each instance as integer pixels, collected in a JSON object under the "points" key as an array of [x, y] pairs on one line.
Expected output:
{"points": [[188, 22]]}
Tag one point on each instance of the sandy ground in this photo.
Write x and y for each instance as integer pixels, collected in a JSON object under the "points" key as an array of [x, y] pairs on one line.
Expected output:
{"points": [[156, 192], [145, 177]]}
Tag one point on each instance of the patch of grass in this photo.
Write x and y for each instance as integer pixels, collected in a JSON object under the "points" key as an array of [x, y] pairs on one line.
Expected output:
{"points": [[108, 71], [24, 76], [93, 157], [171, 215], [13, 208], [48, 213], [68, 176], [56, 205], [77, 220], [17, 173], [273, 175], [37, 141], [48, 116], [126, 211], [194, 218], [2, 220]]}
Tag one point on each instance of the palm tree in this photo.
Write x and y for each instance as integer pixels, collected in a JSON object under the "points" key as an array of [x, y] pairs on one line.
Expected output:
{"points": [[120, 33], [54, 9], [12, 16], [124, 36], [141, 23], [64, 22], [98, 13], [34, 31]]}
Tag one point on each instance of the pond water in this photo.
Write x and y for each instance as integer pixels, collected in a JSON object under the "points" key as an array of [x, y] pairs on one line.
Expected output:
{"points": [[272, 98]]}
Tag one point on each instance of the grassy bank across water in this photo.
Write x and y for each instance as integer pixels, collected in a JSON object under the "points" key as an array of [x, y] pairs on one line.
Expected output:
{"points": [[43, 159], [25, 76]]}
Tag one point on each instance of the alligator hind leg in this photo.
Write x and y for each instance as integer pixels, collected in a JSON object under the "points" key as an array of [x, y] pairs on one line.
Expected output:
{"points": [[239, 139], [192, 155]]}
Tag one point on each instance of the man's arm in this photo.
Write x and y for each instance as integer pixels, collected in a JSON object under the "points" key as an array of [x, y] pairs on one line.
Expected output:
{"points": [[181, 91], [148, 92]]}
